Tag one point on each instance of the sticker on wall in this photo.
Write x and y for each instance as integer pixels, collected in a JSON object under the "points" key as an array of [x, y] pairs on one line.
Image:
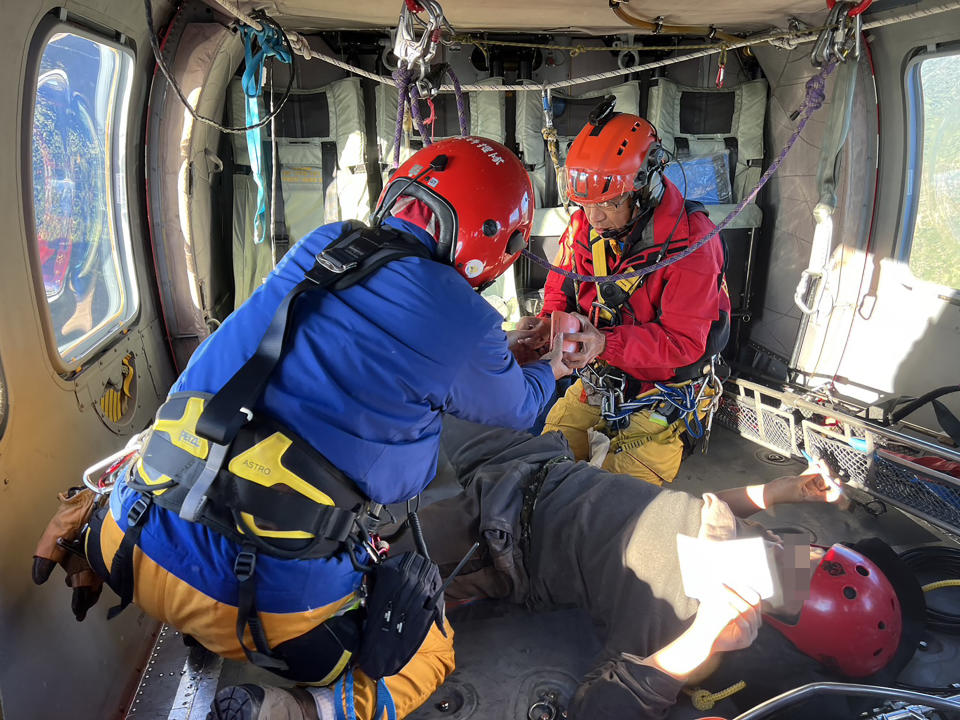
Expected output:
{"points": [[116, 399]]}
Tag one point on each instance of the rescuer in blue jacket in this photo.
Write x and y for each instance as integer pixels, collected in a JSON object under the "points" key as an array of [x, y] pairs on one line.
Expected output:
{"points": [[363, 378]]}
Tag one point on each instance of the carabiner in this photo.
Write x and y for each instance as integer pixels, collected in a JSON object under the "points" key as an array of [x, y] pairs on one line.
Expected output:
{"points": [[721, 67], [406, 46]]}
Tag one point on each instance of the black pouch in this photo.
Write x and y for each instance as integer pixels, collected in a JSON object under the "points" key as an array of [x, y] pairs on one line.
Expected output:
{"points": [[404, 599]]}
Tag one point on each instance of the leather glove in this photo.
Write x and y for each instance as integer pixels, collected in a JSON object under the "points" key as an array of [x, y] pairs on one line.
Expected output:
{"points": [[62, 544]]}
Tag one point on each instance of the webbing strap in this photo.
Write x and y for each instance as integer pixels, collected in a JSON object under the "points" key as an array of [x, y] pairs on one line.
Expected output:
{"points": [[948, 421], [384, 701], [345, 262], [343, 696], [121, 569], [245, 568], [271, 45]]}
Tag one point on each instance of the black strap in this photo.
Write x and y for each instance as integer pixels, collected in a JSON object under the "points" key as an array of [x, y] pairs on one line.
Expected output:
{"points": [[279, 233], [948, 421], [730, 143], [121, 569], [347, 260], [245, 569]]}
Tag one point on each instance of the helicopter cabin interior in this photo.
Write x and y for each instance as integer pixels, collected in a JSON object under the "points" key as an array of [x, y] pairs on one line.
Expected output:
{"points": [[142, 212]]}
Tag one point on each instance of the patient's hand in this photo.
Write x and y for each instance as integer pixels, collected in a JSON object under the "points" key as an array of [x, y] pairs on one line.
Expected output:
{"points": [[816, 485], [728, 620], [529, 340]]}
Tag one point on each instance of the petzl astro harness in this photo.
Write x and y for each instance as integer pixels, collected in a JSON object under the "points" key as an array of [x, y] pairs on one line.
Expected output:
{"points": [[211, 460]]}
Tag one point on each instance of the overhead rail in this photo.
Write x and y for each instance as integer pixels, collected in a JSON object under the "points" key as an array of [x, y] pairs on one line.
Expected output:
{"points": [[785, 38]]}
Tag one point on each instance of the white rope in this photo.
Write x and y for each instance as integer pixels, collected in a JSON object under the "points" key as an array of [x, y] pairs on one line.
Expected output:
{"points": [[302, 47]]}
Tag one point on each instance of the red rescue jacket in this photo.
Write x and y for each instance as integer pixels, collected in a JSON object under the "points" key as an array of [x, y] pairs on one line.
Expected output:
{"points": [[674, 309]]}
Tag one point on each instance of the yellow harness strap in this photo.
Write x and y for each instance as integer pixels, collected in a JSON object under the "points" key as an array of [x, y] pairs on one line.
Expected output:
{"points": [[598, 247]]}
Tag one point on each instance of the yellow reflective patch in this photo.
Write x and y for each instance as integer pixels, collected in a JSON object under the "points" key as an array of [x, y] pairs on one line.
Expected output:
{"points": [[147, 480], [262, 464], [182, 432], [250, 524]]}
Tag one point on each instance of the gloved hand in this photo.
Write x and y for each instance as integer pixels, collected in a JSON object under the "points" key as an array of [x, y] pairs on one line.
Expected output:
{"points": [[61, 543]]}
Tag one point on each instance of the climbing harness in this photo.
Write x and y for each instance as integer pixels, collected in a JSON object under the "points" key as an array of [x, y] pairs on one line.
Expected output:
{"points": [[271, 44], [667, 402], [211, 460]]}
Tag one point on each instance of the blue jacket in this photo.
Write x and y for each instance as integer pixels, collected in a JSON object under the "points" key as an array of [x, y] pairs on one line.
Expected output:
{"points": [[369, 369], [364, 378]]}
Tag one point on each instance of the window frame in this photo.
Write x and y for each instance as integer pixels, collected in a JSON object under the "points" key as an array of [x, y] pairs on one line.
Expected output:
{"points": [[121, 161], [4, 401], [913, 154]]}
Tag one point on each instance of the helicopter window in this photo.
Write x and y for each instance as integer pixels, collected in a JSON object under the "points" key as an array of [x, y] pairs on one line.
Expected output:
{"points": [[933, 90], [79, 191]]}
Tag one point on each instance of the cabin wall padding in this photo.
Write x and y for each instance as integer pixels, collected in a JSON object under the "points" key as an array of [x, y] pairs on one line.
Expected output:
{"points": [[321, 172], [792, 193], [192, 267]]}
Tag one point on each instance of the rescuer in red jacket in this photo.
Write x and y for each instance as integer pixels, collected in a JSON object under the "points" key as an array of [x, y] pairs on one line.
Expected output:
{"points": [[645, 343]]}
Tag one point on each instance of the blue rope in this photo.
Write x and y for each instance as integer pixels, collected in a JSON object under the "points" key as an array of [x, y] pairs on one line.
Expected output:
{"points": [[271, 45], [683, 398]]}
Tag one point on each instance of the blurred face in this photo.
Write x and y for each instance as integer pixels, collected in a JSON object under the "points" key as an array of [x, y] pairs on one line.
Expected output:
{"points": [[795, 565], [610, 214]]}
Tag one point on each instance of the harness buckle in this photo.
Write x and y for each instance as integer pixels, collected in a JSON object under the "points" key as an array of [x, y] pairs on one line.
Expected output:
{"points": [[329, 262], [244, 565], [138, 510]]}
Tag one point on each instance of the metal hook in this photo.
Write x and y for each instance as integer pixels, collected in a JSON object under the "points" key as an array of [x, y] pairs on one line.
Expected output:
{"points": [[410, 49]]}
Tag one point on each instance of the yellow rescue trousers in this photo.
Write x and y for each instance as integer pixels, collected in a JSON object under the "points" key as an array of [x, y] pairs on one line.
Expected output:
{"points": [[647, 448]]}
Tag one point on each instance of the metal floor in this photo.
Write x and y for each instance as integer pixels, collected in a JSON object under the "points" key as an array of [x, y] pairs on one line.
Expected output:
{"points": [[508, 657]]}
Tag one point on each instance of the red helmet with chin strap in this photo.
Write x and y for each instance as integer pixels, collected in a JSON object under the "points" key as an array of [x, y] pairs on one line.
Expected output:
{"points": [[852, 620], [616, 154], [482, 199]]}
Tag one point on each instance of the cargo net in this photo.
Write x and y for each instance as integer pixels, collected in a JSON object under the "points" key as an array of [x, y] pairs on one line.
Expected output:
{"points": [[756, 421], [931, 494], [843, 454], [883, 464]]}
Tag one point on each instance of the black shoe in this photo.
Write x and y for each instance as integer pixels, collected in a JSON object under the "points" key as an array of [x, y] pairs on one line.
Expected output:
{"points": [[237, 702], [253, 702]]}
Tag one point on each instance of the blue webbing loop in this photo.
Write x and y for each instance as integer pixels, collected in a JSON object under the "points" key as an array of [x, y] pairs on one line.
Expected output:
{"points": [[384, 701], [271, 45], [343, 695]]}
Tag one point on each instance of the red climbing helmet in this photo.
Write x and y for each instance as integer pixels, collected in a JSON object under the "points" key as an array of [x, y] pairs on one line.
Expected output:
{"points": [[482, 199], [616, 154], [852, 620]]}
